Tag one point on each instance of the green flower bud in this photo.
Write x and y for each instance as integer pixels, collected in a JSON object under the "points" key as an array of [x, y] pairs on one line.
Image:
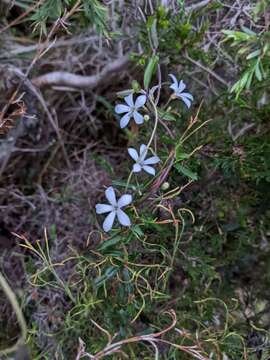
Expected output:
{"points": [[135, 86], [165, 186], [146, 118]]}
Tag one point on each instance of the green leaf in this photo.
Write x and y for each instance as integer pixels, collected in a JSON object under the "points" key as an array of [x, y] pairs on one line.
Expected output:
{"points": [[185, 171], [109, 273], [250, 77], [154, 35], [137, 230], [243, 50], [237, 36], [180, 155], [248, 31], [166, 115], [258, 71], [111, 242], [151, 66], [255, 53]]}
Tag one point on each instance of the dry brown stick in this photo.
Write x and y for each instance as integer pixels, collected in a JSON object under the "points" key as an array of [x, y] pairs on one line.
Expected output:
{"points": [[20, 49], [64, 78]]}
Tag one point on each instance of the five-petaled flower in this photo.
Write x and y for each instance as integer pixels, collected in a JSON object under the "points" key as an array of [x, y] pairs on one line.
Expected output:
{"points": [[178, 88], [131, 110], [114, 208], [140, 162]]}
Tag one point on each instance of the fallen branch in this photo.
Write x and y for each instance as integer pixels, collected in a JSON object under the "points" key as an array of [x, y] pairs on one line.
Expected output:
{"points": [[63, 78], [22, 49]]}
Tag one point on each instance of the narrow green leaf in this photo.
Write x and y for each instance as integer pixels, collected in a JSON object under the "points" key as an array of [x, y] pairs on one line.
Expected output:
{"points": [[249, 81], [258, 71], [185, 171], [111, 242], [151, 66], [166, 115], [248, 31], [109, 273], [253, 54], [154, 35]]}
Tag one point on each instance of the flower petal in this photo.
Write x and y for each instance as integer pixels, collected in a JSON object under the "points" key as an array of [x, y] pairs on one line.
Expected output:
{"points": [[181, 86], [185, 100], [174, 79], [103, 208], [143, 152], [138, 117], [124, 200], [187, 95], [123, 218], [125, 120], [110, 195], [133, 153], [137, 168], [108, 222], [151, 160], [149, 169], [129, 100], [174, 87], [120, 109], [140, 101]]}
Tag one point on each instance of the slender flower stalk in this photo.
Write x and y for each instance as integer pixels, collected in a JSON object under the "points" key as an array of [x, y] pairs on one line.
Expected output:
{"points": [[128, 180], [156, 122]]}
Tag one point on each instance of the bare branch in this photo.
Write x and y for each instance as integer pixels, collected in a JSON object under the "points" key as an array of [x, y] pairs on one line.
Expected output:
{"points": [[62, 78], [211, 72]]}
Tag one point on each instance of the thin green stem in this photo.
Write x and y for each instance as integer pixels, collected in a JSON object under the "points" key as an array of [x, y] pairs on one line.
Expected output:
{"points": [[128, 180], [156, 124], [195, 130], [167, 103]]}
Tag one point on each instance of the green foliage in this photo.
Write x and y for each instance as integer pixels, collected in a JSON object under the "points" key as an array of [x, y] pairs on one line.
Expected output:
{"points": [[151, 67], [94, 13], [255, 49], [168, 33]]}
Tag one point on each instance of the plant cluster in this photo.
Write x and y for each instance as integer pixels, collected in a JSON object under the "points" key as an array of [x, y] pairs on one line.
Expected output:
{"points": [[187, 276], [150, 102]]}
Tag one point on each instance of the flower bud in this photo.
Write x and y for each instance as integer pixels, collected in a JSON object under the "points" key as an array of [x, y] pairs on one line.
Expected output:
{"points": [[135, 86], [146, 118], [165, 186]]}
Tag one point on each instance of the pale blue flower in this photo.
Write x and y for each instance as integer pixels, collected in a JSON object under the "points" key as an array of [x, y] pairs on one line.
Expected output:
{"points": [[114, 208], [131, 110], [141, 163], [178, 88]]}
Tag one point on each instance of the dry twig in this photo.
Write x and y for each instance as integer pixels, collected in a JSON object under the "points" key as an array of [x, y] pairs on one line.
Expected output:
{"points": [[62, 78]]}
